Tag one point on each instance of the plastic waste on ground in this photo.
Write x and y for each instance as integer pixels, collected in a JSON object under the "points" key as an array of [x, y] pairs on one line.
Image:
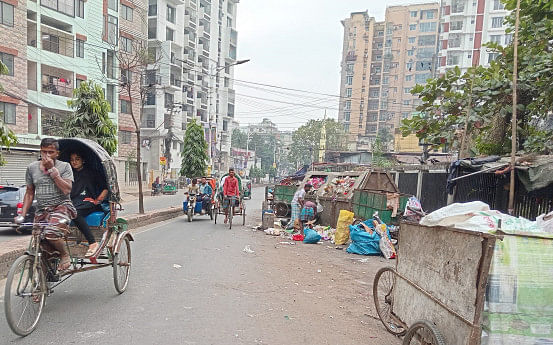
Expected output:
{"points": [[345, 219], [311, 236], [366, 236]]}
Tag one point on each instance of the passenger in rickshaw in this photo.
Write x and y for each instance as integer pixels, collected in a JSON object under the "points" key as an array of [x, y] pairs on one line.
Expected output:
{"points": [[49, 181], [87, 195], [193, 187], [230, 190], [205, 193]]}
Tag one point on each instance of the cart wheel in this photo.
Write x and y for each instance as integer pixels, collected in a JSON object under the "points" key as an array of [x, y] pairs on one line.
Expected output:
{"points": [[423, 333], [383, 287], [281, 209], [122, 266], [244, 215], [189, 215], [25, 294]]}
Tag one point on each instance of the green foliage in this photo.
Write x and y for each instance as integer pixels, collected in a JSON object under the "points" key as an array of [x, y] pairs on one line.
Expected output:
{"points": [[7, 136], [238, 139], [90, 119], [379, 147], [306, 140], [194, 152], [256, 173], [445, 99]]}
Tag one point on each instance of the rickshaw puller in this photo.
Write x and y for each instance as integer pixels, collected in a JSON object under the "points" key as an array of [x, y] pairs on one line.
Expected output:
{"points": [[230, 190], [205, 193], [49, 181]]}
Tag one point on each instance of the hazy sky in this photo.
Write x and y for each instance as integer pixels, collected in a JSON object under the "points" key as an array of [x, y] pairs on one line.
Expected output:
{"points": [[294, 44]]}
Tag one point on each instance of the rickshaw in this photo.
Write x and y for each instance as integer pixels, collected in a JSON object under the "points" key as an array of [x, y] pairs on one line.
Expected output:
{"points": [[247, 189], [235, 203], [169, 187], [192, 207], [34, 275]]}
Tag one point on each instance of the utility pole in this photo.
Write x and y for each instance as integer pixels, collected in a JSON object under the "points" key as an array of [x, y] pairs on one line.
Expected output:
{"points": [[514, 119]]}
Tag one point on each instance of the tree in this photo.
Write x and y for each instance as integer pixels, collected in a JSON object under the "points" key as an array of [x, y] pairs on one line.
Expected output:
{"points": [[7, 137], [306, 140], [194, 152], [476, 107], [238, 139], [136, 86], [256, 173], [90, 119], [379, 147]]}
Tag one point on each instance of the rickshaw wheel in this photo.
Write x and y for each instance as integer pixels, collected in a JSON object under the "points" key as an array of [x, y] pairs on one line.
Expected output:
{"points": [[25, 289], [189, 215], [244, 215], [383, 287], [216, 212], [423, 333], [122, 266], [210, 213]]}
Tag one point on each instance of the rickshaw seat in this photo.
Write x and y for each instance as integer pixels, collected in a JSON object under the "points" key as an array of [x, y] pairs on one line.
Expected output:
{"points": [[95, 218]]}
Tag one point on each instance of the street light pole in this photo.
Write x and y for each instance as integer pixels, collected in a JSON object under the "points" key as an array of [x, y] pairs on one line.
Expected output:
{"points": [[514, 119]]}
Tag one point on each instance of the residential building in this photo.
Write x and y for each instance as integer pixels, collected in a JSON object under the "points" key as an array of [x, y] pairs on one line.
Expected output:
{"points": [[50, 47], [466, 25], [194, 42], [381, 62]]}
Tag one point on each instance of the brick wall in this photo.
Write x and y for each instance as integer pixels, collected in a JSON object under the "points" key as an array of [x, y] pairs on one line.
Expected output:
{"points": [[14, 41]]}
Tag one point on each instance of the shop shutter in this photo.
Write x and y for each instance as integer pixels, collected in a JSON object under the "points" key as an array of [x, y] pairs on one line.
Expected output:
{"points": [[13, 172]]}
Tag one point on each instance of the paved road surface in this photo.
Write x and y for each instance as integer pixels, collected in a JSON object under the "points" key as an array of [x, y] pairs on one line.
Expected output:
{"points": [[192, 283]]}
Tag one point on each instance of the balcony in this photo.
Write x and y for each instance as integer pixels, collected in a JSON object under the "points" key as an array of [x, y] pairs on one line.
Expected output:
{"points": [[52, 121], [31, 34], [174, 81], [351, 56], [57, 81], [55, 41]]}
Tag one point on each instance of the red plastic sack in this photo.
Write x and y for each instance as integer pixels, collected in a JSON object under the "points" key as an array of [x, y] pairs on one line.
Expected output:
{"points": [[298, 237]]}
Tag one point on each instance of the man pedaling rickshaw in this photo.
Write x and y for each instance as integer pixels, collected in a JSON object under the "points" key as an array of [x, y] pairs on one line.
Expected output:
{"points": [[49, 181]]}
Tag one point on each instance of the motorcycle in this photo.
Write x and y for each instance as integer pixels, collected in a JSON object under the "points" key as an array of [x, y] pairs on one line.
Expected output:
{"points": [[156, 190]]}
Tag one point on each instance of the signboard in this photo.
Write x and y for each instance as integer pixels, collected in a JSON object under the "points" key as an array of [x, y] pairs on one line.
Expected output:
{"points": [[162, 161]]}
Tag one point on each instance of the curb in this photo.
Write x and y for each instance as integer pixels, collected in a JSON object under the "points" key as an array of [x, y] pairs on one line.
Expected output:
{"points": [[11, 250]]}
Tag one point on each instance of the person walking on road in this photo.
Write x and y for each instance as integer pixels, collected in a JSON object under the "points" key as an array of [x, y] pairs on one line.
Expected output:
{"points": [[297, 204], [49, 181], [230, 191]]}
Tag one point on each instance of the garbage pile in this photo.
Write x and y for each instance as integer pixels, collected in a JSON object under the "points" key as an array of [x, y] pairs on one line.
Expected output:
{"points": [[316, 182], [340, 186]]}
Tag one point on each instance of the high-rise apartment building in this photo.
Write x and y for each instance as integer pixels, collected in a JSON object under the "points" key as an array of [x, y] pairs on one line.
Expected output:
{"points": [[194, 42], [381, 62], [50, 47], [466, 25]]}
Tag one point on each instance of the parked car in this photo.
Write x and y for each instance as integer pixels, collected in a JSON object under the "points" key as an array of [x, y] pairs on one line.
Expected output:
{"points": [[11, 204]]}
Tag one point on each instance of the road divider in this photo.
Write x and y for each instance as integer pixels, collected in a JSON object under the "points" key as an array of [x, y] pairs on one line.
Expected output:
{"points": [[11, 250]]}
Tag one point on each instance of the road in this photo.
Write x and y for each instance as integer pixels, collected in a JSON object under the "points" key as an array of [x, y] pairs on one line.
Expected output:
{"points": [[192, 283]]}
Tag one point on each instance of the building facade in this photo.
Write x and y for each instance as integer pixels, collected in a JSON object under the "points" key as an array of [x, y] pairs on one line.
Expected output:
{"points": [[194, 42], [381, 62], [466, 25]]}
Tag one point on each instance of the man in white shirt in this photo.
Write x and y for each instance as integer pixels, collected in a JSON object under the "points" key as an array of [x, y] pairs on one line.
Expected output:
{"points": [[297, 203]]}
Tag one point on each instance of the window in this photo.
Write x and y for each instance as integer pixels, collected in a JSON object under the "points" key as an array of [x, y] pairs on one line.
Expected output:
{"points": [[152, 28], [347, 115], [112, 31], [407, 90], [349, 80], [408, 77], [348, 92], [169, 100], [412, 27], [171, 14], [492, 56], [347, 105], [152, 9], [406, 102], [422, 78], [372, 117], [229, 22], [126, 12], [169, 34], [404, 115], [79, 8], [7, 59], [428, 27], [113, 5], [411, 40], [423, 53], [6, 14], [456, 25], [110, 96], [409, 66], [125, 106], [125, 137], [385, 80], [151, 98], [508, 39], [427, 40], [78, 83], [497, 5], [374, 93], [424, 65], [79, 48], [149, 120], [497, 22], [413, 14], [495, 39], [8, 111], [410, 52], [373, 104], [428, 14], [126, 76], [126, 44], [110, 67], [63, 6]]}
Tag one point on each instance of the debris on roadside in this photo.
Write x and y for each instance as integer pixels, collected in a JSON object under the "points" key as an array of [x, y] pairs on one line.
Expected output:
{"points": [[248, 250]]}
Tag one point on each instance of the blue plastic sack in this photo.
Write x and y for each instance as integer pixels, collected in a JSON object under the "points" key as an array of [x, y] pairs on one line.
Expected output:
{"points": [[311, 236], [362, 242]]}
